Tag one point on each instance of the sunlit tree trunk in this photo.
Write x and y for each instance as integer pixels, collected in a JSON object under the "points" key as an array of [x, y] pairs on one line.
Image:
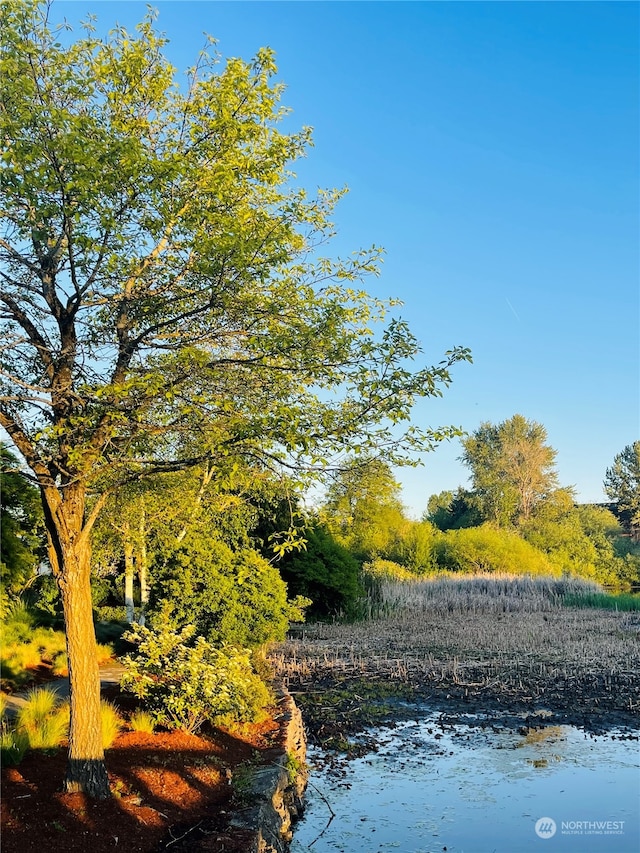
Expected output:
{"points": [[70, 553], [127, 545], [142, 565]]}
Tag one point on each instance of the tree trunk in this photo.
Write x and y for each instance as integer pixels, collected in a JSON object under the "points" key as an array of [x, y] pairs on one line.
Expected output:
{"points": [[128, 574], [71, 561], [142, 565]]}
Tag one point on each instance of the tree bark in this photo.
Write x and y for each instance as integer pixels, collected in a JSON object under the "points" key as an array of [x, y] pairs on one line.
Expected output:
{"points": [[128, 573], [142, 566], [70, 553]]}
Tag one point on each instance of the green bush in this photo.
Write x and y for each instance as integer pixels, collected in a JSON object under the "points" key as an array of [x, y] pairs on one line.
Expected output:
{"points": [[481, 549], [417, 548], [231, 597], [325, 572], [184, 682], [387, 570], [581, 541]]}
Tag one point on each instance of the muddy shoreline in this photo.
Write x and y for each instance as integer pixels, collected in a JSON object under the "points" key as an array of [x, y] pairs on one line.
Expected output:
{"points": [[338, 713], [522, 669]]}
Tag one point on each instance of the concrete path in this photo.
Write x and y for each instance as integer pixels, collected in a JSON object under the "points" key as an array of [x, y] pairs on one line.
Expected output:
{"points": [[110, 673]]}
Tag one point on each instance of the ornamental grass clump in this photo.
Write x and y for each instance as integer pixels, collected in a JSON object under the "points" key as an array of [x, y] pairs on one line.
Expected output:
{"points": [[142, 721], [111, 723], [43, 720], [184, 681]]}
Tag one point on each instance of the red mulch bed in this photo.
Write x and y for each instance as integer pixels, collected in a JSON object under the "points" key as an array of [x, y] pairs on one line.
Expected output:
{"points": [[163, 784]]}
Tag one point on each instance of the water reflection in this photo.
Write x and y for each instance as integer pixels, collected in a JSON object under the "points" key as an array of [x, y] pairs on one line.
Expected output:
{"points": [[466, 789]]}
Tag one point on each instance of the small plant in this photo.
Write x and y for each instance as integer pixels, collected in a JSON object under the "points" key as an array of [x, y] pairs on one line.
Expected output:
{"points": [[184, 682], [142, 721], [111, 723], [60, 665], [293, 766], [241, 780], [13, 745], [41, 720]]}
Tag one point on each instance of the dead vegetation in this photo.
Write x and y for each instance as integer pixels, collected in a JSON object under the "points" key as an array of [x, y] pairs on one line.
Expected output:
{"points": [[505, 641]]}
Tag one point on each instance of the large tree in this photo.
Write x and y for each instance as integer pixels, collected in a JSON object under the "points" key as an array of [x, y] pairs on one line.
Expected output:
{"points": [[622, 482], [512, 468], [162, 280]]}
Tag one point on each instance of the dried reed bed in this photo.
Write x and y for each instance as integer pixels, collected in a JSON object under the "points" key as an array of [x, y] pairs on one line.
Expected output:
{"points": [[487, 636]]}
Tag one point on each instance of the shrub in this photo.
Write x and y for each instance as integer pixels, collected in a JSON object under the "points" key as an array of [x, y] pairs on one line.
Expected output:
{"points": [[324, 571], [104, 652], [231, 597], [581, 541], [387, 570], [184, 682], [60, 665], [475, 550]]}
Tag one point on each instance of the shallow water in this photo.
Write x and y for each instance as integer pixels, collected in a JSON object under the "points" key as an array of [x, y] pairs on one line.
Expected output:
{"points": [[469, 789]]}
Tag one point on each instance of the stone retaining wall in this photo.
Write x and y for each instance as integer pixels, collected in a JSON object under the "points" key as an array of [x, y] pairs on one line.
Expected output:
{"points": [[275, 791]]}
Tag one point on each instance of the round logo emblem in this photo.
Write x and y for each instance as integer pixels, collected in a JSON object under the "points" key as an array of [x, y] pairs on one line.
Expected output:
{"points": [[546, 827]]}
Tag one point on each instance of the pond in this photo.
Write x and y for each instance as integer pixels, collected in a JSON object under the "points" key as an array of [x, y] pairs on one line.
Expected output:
{"points": [[476, 788]]}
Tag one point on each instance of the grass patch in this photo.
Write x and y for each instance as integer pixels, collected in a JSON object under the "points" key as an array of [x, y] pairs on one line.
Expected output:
{"points": [[13, 745], [603, 601]]}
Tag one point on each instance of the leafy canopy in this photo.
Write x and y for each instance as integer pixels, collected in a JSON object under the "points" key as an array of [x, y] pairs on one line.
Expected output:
{"points": [[512, 468], [622, 481], [162, 279], [21, 526]]}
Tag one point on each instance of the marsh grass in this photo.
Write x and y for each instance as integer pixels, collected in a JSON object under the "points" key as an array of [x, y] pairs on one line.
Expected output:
{"points": [[625, 602], [500, 633]]}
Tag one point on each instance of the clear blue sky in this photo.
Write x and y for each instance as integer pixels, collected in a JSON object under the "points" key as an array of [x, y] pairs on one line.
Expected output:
{"points": [[492, 149]]}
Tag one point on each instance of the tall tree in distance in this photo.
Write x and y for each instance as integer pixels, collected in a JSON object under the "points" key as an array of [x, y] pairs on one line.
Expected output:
{"points": [[622, 481], [512, 468], [161, 280], [363, 510]]}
